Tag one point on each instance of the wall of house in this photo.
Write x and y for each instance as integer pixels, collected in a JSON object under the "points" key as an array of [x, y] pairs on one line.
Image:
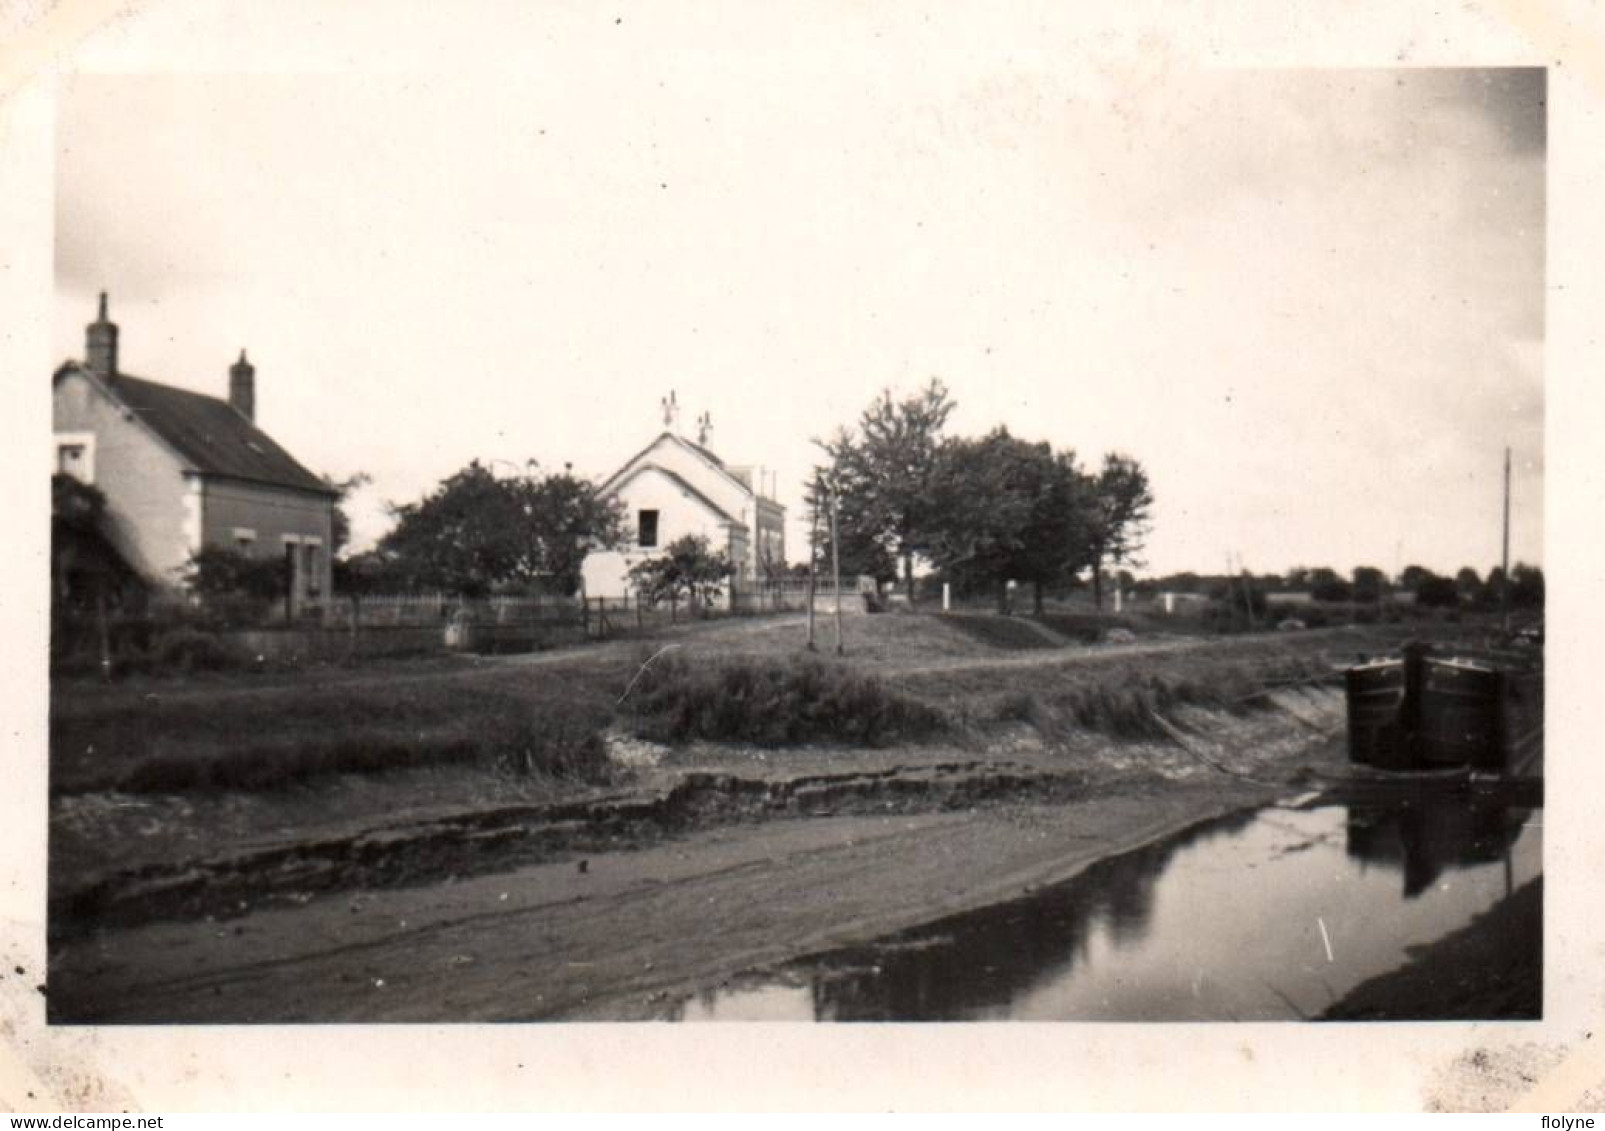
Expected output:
{"points": [[679, 514], [260, 520], [770, 540], [151, 516]]}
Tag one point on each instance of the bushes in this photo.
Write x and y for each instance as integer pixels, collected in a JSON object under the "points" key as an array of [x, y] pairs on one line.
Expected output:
{"points": [[772, 703], [189, 650], [561, 747], [250, 739]]}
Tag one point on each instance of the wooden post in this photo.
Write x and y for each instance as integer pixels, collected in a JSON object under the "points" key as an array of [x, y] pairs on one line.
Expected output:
{"points": [[813, 564], [836, 572], [1504, 556], [103, 629]]}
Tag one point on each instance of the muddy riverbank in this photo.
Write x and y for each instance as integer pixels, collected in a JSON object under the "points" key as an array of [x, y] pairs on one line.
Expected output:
{"points": [[443, 893]]}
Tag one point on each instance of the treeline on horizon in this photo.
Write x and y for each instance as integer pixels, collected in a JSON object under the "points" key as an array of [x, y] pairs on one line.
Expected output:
{"points": [[1363, 585]]}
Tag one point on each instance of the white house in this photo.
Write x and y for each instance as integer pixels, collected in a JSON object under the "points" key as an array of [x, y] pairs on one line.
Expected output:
{"points": [[674, 487]]}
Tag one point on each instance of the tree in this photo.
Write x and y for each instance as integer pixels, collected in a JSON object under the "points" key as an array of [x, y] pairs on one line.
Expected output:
{"points": [[1526, 586], [1468, 585], [1413, 575], [215, 571], [1326, 585], [861, 550], [1009, 509], [883, 475], [688, 567], [1119, 517], [476, 533], [1057, 541], [84, 565], [1369, 583], [1493, 587], [1434, 592]]}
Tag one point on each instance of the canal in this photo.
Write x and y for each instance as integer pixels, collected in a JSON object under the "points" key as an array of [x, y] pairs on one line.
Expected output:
{"points": [[1266, 915]]}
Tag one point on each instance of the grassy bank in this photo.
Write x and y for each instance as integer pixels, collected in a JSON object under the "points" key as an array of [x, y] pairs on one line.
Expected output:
{"points": [[1117, 698], [261, 739], [738, 683], [773, 702]]}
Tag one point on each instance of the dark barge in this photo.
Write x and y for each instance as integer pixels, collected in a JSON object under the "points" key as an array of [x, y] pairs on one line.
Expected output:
{"points": [[1425, 713]]}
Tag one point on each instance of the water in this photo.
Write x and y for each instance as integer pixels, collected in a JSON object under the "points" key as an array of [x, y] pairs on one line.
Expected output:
{"points": [[1270, 915]]}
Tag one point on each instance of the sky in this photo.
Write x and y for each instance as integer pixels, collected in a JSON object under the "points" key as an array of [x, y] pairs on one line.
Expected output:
{"points": [[1310, 302]]}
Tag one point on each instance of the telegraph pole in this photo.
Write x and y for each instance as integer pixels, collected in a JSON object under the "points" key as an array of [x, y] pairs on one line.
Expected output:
{"points": [[813, 562], [836, 570], [1504, 556]]}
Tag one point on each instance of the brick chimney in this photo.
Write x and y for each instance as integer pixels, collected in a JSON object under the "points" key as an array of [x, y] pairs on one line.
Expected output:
{"points": [[242, 387], [100, 352]]}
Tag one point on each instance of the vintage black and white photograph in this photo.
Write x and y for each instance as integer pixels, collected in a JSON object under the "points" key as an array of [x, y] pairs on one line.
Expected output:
{"points": [[691, 528]]}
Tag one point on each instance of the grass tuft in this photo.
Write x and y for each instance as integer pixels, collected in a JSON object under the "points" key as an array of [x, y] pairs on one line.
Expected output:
{"points": [[773, 702]]}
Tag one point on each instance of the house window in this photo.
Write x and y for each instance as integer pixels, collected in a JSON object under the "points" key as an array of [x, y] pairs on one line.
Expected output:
{"points": [[244, 539], [647, 535], [312, 575], [75, 456]]}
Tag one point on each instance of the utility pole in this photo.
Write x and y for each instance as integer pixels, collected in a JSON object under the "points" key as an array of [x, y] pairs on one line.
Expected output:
{"points": [[1504, 557], [813, 562], [836, 571]]}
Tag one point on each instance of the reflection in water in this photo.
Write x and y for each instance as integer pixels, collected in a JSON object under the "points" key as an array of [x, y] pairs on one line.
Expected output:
{"points": [[1231, 919], [1426, 835]]}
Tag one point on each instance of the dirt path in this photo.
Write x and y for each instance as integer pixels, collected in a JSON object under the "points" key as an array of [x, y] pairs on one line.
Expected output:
{"points": [[622, 938]]}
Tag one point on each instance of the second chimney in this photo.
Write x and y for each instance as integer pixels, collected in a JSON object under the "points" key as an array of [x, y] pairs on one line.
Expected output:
{"points": [[100, 352], [242, 387]]}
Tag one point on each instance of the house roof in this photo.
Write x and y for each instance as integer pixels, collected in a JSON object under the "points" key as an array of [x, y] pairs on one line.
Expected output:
{"points": [[211, 434], [684, 485], [613, 481]]}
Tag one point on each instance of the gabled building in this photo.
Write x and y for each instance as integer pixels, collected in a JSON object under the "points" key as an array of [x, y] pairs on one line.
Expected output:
{"points": [[674, 487], [181, 470]]}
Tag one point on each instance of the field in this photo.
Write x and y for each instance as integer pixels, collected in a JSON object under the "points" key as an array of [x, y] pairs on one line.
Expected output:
{"points": [[940, 761]]}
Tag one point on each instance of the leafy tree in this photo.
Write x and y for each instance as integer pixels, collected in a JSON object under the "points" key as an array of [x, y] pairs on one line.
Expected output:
{"points": [[1436, 592], [1119, 517], [1057, 542], [1369, 583], [1526, 586], [1493, 587], [861, 549], [215, 571], [688, 567], [883, 475], [1009, 509], [1413, 575], [1468, 585], [476, 533], [1326, 585], [83, 563]]}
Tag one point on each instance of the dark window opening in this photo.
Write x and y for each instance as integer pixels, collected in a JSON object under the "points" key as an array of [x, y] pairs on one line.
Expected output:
{"points": [[647, 535]]}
